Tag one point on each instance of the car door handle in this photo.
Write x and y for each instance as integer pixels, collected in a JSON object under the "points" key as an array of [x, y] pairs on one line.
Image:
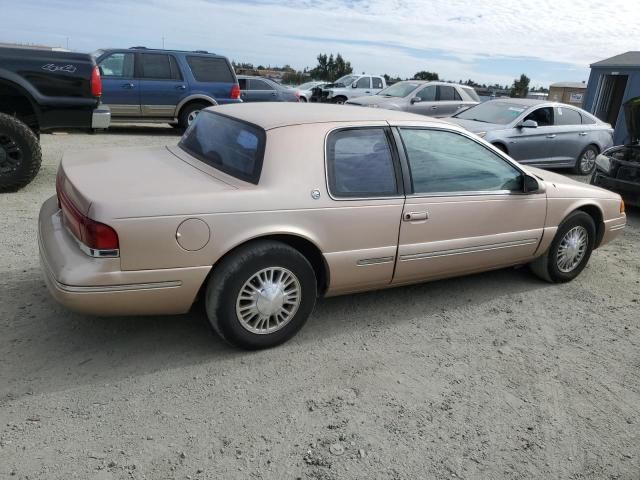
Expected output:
{"points": [[128, 85], [435, 107], [181, 87], [367, 91], [583, 134], [273, 94], [553, 135], [415, 216]]}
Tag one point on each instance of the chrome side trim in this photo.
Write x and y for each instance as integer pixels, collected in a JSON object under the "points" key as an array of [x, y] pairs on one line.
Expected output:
{"points": [[117, 288], [615, 228], [95, 253], [374, 261], [461, 251]]}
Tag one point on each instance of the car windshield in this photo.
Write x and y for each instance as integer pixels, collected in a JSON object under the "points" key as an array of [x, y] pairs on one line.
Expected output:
{"points": [[347, 79], [229, 145], [493, 112], [399, 90], [307, 86]]}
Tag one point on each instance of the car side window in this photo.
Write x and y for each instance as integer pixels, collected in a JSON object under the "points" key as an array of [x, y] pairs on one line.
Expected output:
{"points": [[118, 65], [255, 84], [364, 82], [242, 82], [377, 82], [448, 94], [567, 116], [427, 94], [158, 67], [447, 162], [587, 120], [209, 69], [544, 116], [360, 163]]}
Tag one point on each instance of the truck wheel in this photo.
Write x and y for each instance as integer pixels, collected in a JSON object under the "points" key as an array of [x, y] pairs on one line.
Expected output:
{"points": [[260, 295], [189, 113], [20, 155]]}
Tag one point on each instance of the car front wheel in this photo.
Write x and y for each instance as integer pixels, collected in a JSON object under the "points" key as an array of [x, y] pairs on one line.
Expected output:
{"points": [[570, 250], [260, 295]]}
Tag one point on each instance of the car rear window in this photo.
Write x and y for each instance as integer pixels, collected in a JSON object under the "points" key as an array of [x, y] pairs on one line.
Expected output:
{"points": [[207, 69], [230, 145]]}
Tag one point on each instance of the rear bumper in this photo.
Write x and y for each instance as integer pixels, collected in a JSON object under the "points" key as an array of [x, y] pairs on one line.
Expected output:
{"points": [[101, 117], [629, 191], [97, 286]]}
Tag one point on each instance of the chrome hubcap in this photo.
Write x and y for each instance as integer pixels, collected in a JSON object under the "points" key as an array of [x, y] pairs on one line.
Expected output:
{"points": [[192, 116], [588, 160], [572, 249], [268, 300]]}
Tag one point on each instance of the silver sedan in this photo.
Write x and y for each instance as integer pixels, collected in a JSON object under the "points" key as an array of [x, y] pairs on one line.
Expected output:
{"points": [[535, 132]]}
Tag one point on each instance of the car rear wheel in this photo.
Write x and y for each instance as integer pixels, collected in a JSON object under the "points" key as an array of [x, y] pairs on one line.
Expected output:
{"points": [[260, 295], [20, 155], [339, 100], [189, 113], [586, 161], [570, 250]]}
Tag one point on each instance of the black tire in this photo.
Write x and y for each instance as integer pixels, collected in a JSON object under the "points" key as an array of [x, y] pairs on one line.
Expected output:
{"points": [[586, 161], [187, 110], [20, 155], [234, 271], [175, 125], [546, 267], [340, 100], [303, 99]]}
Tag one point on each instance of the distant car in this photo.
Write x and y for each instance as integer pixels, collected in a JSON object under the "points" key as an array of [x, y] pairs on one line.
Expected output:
{"points": [[261, 209], [260, 89], [540, 133], [618, 169], [146, 85], [306, 90], [436, 99], [348, 87]]}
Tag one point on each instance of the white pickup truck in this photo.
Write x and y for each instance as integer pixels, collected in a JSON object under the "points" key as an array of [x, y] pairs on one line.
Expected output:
{"points": [[348, 87]]}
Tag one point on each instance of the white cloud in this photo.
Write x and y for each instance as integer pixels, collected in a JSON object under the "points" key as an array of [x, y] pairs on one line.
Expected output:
{"points": [[456, 37]]}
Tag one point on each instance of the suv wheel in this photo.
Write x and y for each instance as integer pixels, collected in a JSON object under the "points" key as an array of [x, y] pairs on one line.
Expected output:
{"points": [[189, 113], [20, 155], [569, 251], [260, 295]]}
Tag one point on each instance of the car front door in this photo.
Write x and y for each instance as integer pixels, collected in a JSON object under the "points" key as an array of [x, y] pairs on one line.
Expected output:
{"points": [[120, 88], [466, 211], [161, 84], [535, 145], [424, 101]]}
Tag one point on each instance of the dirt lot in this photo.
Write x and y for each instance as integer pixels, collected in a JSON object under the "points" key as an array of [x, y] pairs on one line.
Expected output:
{"points": [[491, 376]]}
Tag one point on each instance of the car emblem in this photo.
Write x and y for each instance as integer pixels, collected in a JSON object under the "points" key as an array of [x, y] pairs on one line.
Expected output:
{"points": [[315, 194]]}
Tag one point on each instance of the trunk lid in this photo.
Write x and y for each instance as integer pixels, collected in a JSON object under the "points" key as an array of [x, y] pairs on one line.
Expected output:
{"points": [[632, 119], [134, 182]]}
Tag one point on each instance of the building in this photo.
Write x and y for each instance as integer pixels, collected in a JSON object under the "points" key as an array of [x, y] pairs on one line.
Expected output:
{"points": [[568, 92], [612, 83]]}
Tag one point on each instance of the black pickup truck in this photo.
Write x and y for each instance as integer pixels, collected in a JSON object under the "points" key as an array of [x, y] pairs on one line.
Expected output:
{"points": [[43, 90]]}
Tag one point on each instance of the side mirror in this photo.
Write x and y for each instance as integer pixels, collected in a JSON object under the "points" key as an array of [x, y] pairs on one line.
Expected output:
{"points": [[355, 85], [529, 124], [416, 100], [530, 184]]}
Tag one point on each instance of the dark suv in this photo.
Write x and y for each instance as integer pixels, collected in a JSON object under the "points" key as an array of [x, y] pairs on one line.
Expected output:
{"points": [[164, 86]]}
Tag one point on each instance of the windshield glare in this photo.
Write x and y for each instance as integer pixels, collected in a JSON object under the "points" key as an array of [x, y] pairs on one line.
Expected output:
{"points": [[346, 80], [400, 89], [493, 112]]}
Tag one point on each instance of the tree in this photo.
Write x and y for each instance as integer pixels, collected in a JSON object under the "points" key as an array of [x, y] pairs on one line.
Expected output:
{"points": [[520, 87], [330, 68], [424, 75]]}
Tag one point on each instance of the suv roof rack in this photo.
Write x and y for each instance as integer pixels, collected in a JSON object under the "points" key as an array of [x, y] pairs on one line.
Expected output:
{"points": [[200, 51], [138, 48]]}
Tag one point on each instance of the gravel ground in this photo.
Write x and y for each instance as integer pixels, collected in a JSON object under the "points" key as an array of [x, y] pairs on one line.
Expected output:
{"points": [[490, 376]]}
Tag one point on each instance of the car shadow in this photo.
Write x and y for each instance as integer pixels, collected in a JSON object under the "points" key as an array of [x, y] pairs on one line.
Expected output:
{"points": [[48, 348]]}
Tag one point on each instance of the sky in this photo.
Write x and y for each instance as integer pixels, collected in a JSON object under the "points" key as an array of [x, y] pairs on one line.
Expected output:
{"points": [[488, 41]]}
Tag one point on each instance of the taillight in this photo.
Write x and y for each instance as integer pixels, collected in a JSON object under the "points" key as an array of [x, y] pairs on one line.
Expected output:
{"points": [[235, 91], [95, 82], [92, 234]]}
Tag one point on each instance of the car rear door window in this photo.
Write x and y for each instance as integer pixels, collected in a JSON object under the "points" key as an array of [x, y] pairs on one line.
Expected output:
{"points": [[447, 93], [209, 69], [117, 65], [427, 94], [158, 67], [255, 84], [232, 146], [377, 82], [446, 162], [364, 82], [360, 163], [567, 116]]}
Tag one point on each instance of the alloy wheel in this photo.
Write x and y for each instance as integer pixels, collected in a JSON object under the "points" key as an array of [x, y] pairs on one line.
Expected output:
{"points": [[588, 160]]}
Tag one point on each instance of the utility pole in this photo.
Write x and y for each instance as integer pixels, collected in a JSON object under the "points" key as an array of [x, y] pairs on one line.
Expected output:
{"points": [[163, 41]]}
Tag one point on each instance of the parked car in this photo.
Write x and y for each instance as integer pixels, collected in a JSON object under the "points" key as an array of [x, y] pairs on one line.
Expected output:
{"points": [[260, 89], [306, 90], [164, 86], [263, 208], [348, 87], [436, 99], [536, 132], [618, 168], [42, 90]]}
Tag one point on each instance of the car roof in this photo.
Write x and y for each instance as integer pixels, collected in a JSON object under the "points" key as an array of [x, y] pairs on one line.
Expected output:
{"points": [[270, 115], [159, 50]]}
